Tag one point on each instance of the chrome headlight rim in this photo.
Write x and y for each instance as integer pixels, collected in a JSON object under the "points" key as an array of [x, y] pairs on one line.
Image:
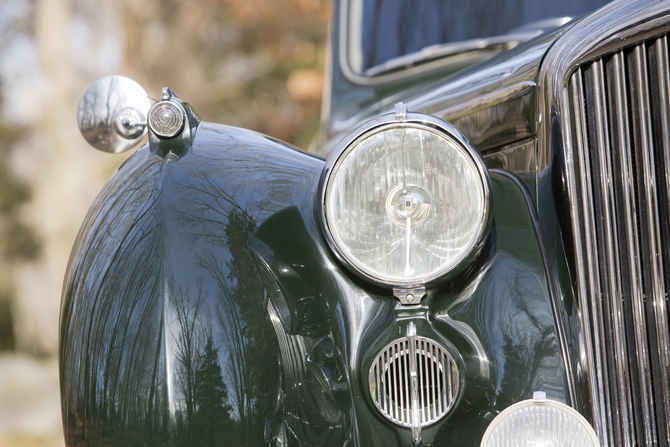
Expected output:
{"points": [[424, 122]]}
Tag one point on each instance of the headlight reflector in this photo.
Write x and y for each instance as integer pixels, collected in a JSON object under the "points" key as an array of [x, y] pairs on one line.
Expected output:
{"points": [[404, 202]]}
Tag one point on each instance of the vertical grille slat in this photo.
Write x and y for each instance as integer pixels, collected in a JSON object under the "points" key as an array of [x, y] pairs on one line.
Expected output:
{"points": [[628, 236], [424, 377], [449, 385], [594, 136], [390, 381], [659, 77], [395, 396], [642, 148], [618, 179], [619, 242], [442, 389], [394, 384], [385, 382], [579, 185], [408, 419], [400, 371], [376, 390], [613, 350], [433, 383], [387, 385]]}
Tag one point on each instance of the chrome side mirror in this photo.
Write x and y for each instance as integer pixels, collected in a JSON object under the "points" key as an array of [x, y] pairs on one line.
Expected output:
{"points": [[112, 114]]}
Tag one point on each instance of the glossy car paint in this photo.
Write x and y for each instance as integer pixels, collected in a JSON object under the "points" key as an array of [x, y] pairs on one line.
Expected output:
{"points": [[203, 307], [493, 102]]}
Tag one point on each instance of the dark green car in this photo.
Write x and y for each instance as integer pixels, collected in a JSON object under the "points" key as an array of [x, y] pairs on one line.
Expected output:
{"points": [[479, 254]]}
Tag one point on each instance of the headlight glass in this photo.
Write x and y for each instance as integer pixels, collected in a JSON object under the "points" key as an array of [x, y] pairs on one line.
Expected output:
{"points": [[539, 423], [406, 202]]}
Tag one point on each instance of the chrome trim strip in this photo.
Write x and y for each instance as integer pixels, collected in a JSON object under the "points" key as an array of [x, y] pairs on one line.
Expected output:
{"points": [[642, 140], [591, 269], [416, 422], [443, 389], [584, 283], [609, 247], [424, 390], [387, 395], [660, 299], [630, 227], [400, 348], [433, 375], [408, 384], [394, 373], [653, 262], [377, 389], [587, 362], [450, 390]]}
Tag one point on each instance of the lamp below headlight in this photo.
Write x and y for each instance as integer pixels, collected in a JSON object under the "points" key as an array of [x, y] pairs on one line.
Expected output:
{"points": [[539, 422], [405, 200]]}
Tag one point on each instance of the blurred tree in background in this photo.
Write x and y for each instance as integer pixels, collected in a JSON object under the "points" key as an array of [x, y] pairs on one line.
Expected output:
{"points": [[250, 63], [256, 64]]}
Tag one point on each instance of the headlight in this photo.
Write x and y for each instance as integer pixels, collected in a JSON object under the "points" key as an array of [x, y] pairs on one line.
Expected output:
{"points": [[405, 200], [539, 422]]}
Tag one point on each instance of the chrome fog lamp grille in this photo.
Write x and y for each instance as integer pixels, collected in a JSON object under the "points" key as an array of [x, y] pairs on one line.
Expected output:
{"points": [[390, 382]]}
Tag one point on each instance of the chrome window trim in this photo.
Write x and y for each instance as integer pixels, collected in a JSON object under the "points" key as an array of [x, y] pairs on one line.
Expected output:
{"points": [[459, 60]]}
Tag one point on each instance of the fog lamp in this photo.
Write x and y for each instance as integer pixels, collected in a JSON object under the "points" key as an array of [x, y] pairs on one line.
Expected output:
{"points": [[405, 200], [539, 422]]}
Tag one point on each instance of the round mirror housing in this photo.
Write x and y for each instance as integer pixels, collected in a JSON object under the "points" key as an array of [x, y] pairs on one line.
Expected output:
{"points": [[112, 114]]}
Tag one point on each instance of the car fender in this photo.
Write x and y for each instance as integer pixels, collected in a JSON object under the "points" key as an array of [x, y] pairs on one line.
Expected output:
{"points": [[196, 267]]}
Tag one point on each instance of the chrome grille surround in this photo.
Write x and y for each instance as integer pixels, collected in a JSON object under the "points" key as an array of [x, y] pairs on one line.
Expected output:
{"points": [[438, 381], [607, 81]]}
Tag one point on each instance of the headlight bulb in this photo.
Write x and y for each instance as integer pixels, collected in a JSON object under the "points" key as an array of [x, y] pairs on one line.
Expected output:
{"points": [[408, 206], [407, 201]]}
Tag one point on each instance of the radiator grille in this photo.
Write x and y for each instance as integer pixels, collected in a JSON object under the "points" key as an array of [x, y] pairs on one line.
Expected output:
{"points": [[390, 381], [619, 169]]}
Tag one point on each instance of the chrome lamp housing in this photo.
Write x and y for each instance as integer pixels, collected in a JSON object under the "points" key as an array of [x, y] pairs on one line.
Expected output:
{"points": [[405, 200]]}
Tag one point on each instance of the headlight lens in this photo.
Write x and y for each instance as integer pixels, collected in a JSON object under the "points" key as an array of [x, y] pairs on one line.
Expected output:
{"points": [[539, 422], [406, 201]]}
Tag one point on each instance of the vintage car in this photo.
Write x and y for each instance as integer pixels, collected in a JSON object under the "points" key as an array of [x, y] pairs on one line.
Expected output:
{"points": [[477, 255]]}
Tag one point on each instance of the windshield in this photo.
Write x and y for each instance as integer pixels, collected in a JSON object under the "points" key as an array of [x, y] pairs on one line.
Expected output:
{"points": [[381, 30]]}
